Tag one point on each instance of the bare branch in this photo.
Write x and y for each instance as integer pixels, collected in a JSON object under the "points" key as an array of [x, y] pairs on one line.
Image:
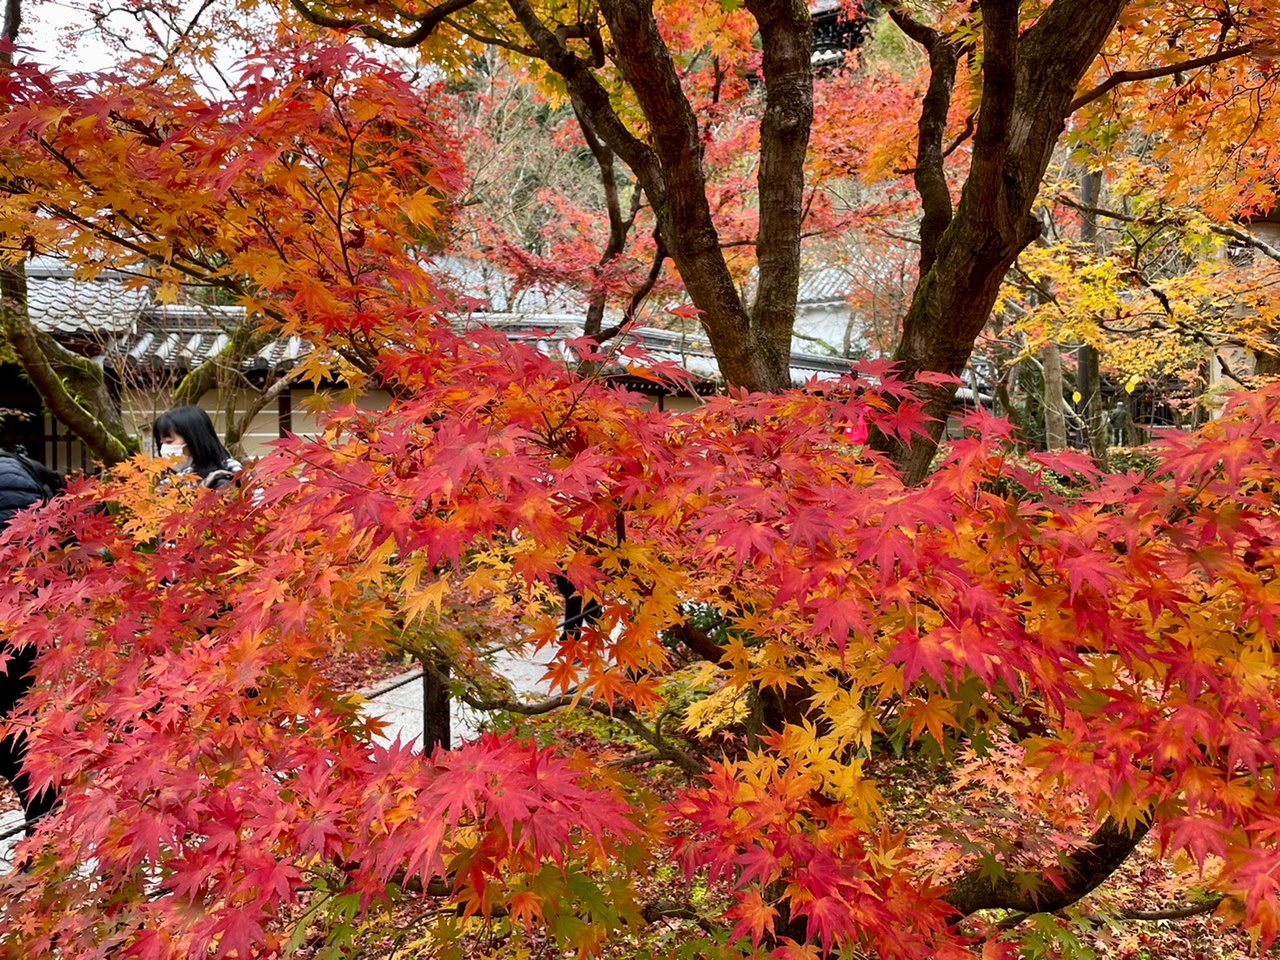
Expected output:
{"points": [[965, 133], [244, 341], [1174, 913], [1222, 229], [427, 23], [655, 271], [1247, 238], [237, 430]]}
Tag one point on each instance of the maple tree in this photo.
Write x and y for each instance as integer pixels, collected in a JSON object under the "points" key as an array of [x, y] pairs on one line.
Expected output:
{"points": [[645, 75], [284, 195], [1115, 640], [761, 573]]}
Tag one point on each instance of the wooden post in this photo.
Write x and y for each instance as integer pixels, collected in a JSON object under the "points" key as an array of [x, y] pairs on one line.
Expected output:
{"points": [[1055, 419], [436, 730]]}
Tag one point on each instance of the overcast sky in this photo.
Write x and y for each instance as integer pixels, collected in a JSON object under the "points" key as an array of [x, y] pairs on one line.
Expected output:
{"points": [[61, 33]]}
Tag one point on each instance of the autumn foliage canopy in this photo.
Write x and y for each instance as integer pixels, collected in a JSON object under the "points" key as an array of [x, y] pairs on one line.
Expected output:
{"points": [[1091, 658], [1113, 635]]}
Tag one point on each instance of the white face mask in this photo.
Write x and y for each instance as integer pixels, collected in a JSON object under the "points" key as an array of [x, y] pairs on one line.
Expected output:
{"points": [[168, 450]]}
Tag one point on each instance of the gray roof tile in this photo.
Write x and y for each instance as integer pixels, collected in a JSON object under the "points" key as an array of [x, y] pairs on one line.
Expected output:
{"points": [[62, 305], [140, 334]]}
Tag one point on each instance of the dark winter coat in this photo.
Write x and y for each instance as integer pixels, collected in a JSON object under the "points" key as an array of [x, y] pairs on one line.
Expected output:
{"points": [[23, 483], [18, 489]]}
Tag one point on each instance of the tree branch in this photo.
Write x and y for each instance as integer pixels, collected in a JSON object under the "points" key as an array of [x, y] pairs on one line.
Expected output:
{"points": [[236, 430], [12, 23], [1028, 83], [912, 27], [619, 226], [682, 207], [244, 341], [930, 172], [1174, 913], [53, 389], [1110, 845], [1222, 229], [651, 279], [618, 713], [491, 40], [699, 642], [965, 133], [1247, 238], [992, 142], [1151, 73], [427, 23], [593, 101]]}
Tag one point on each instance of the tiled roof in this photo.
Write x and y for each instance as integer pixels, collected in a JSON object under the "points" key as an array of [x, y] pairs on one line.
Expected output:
{"points": [[176, 350], [691, 352], [195, 318], [138, 334], [62, 305], [823, 285], [492, 290], [133, 331]]}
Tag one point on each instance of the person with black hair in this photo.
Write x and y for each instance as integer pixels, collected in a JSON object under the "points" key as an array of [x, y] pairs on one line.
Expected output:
{"points": [[24, 483], [187, 432]]}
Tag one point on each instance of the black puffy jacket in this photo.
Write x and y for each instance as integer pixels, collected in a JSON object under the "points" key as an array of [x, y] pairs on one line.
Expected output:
{"points": [[18, 488]]}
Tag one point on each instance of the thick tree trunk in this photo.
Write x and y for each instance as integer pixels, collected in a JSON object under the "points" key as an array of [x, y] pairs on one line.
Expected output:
{"points": [[436, 721], [786, 35], [949, 309], [752, 348], [1029, 81]]}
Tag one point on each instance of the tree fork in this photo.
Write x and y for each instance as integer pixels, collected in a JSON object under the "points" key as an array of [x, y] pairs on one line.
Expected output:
{"points": [[1029, 82]]}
